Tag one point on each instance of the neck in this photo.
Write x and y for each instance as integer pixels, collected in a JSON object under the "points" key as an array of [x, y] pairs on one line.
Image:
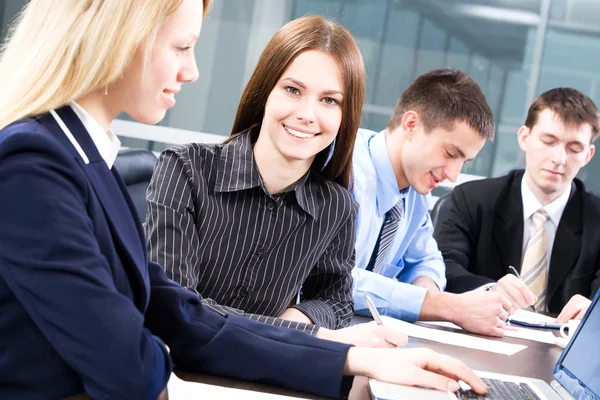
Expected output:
{"points": [[540, 195], [97, 105], [277, 172], [395, 144]]}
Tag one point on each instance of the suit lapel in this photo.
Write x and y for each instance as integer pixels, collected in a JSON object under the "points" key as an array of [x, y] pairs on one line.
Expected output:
{"points": [[567, 242], [123, 221], [508, 223]]}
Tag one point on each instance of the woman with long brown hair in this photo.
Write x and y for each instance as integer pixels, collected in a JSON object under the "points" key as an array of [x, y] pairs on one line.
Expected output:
{"points": [[249, 223]]}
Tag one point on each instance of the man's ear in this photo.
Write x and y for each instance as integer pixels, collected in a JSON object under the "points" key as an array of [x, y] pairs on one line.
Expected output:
{"points": [[409, 121], [591, 153], [523, 136]]}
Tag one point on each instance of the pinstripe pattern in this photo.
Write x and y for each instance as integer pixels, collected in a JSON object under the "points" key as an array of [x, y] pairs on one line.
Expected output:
{"points": [[215, 230], [386, 236], [534, 269]]}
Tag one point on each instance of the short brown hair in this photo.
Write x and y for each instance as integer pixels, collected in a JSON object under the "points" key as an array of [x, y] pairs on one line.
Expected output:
{"points": [[443, 97], [571, 106], [295, 37]]}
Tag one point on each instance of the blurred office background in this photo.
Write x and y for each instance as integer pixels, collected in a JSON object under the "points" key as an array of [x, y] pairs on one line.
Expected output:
{"points": [[515, 49]]}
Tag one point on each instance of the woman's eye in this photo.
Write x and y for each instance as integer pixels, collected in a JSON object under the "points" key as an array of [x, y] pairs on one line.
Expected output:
{"points": [[292, 90], [330, 101]]}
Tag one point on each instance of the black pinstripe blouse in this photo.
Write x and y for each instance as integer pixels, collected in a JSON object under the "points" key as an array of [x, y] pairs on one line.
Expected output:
{"points": [[217, 231]]}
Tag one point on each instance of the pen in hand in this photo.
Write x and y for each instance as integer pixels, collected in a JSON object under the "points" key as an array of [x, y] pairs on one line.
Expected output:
{"points": [[514, 270], [373, 311]]}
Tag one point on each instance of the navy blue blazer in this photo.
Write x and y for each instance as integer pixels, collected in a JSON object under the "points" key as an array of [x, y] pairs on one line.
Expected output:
{"points": [[82, 309]]}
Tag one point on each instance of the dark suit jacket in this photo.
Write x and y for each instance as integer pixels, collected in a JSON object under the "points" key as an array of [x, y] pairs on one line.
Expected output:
{"points": [[82, 307], [483, 235]]}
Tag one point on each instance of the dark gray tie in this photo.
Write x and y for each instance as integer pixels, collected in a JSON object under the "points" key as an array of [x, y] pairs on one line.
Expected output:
{"points": [[386, 236]]}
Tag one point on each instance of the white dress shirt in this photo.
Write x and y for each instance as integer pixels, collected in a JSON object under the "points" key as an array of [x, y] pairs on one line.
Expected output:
{"points": [[531, 205], [107, 143]]}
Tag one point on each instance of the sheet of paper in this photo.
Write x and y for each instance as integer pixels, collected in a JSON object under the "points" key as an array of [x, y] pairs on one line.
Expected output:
{"points": [[514, 331], [455, 339], [184, 390], [534, 318]]}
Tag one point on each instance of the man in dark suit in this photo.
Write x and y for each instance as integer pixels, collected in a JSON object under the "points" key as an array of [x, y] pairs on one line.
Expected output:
{"points": [[540, 221]]}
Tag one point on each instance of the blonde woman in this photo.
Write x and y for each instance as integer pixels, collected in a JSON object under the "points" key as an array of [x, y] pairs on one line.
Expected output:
{"points": [[83, 310]]}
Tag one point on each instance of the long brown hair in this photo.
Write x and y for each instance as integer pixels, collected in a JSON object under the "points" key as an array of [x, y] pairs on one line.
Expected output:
{"points": [[302, 34]]}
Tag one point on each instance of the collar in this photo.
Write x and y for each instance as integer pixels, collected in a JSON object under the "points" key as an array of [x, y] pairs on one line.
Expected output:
{"points": [[107, 143], [531, 204], [388, 193], [237, 171]]}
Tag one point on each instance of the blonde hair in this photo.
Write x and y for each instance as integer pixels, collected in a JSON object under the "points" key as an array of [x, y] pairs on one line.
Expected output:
{"points": [[60, 50]]}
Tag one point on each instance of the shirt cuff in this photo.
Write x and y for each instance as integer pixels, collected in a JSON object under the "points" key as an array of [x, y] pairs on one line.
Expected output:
{"points": [[406, 302], [319, 312]]}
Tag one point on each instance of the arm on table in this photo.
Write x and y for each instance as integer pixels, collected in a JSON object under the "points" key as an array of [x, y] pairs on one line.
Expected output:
{"points": [[64, 282]]}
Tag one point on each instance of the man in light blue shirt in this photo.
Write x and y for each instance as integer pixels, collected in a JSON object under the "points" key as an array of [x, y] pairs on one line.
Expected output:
{"points": [[441, 121]]}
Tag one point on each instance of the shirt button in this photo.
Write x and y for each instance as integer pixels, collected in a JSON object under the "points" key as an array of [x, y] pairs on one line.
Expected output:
{"points": [[243, 292], [270, 206], [260, 250]]}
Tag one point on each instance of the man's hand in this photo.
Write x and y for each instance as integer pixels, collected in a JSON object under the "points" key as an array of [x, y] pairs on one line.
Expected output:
{"points": [[515, 291], [365, 335], [425, 282], [481, 312], [574, 309], [292, 314], [414, 367]]}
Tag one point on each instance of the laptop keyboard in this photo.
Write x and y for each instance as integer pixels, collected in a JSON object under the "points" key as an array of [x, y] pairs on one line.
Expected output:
{"points": [[501, 390]]}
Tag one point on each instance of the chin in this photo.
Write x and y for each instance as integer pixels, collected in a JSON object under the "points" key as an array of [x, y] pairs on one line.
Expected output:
{"points": [[150, 118]]}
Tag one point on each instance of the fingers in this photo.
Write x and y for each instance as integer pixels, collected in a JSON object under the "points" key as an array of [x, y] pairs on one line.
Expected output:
{"points": [[506, 304], [434, 381], [565, 315], [447, 367], [395, 338], [581, 314]]}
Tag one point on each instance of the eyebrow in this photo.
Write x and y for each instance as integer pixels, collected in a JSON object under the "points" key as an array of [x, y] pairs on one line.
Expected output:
{"points": [[303, 86]]}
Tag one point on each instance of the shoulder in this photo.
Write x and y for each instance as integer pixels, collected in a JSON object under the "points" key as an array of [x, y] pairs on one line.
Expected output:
{"points": [[30, 136], [194, 152], [487, 189], [337, 197], [591, 200], [192, 157]]}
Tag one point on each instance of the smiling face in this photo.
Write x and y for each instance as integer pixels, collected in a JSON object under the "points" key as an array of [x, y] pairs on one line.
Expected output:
{"points": [[554, 154], [303, 111], [423, 160], [146, 93]]}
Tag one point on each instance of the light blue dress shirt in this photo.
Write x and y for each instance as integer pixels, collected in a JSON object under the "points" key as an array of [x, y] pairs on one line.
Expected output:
{"points": [[413, 253]]}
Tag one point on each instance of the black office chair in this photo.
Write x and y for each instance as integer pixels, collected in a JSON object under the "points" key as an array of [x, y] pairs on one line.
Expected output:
{"points": [[135, 167], [440, 210]]}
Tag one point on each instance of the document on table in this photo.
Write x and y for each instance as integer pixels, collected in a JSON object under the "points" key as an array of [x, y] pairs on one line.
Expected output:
{"points": [[455, 339], [528, 318], [184, 390], [513, 331]]}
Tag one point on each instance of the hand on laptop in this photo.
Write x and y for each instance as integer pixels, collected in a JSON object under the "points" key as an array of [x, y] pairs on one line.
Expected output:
{"points": [[481, 312], [574, 309], [365, 335], [515, 291], [414, 367]]}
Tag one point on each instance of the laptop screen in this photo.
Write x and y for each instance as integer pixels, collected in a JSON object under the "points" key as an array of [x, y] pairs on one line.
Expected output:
{"points": [[581, 359]]}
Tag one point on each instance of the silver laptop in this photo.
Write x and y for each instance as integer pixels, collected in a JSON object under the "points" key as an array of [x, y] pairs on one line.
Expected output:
{"points": [[576, 374]]}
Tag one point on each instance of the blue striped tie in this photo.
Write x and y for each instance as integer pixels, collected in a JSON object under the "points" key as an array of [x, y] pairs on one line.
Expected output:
{"points": [[386, 236]]}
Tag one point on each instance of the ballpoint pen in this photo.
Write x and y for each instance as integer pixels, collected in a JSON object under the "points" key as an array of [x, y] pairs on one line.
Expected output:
{"points": [[373, 311], [513, 269]]}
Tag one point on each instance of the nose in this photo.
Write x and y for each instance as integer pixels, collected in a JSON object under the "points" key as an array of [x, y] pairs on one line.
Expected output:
{"points": [[306, 110], [559, 156], [452, 170], [189, 70]]}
